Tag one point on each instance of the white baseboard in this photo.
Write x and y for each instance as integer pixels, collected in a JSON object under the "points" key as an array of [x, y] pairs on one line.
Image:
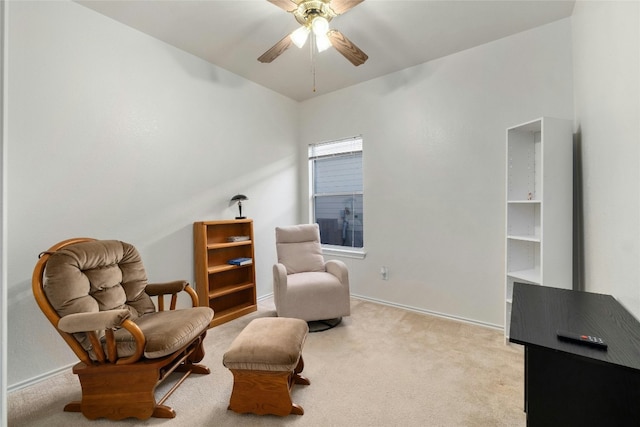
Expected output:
{"points": [[32, 381], [264, 297], [430, 312]]}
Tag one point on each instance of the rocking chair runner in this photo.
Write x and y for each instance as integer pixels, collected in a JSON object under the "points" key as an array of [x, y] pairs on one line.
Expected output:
{"points": [[95, 294]]}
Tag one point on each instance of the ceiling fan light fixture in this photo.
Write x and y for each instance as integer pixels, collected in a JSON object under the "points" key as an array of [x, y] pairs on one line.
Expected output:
{"points": [[320, 26], [299, 36], [322, 42]]}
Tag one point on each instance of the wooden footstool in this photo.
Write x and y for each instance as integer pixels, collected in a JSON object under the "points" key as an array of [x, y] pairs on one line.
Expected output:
{"points": [[266, 360]]}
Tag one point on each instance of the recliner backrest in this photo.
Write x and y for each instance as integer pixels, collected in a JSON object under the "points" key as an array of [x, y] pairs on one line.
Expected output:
{"points": [[299, 249]]}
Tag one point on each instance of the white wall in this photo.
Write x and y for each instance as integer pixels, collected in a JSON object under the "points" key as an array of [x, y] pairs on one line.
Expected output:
{"points": [[3, 258], [434, 166], [114, 134], [606, 40]]}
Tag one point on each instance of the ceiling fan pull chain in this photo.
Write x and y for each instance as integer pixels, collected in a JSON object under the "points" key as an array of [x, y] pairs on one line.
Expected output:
{"points": [[313, 61], [314, 79]]}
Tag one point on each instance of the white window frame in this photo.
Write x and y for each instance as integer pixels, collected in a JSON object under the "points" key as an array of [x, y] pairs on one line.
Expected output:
{"points": [[335, 148]]}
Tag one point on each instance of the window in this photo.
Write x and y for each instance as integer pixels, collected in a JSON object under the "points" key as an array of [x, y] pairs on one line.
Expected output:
{"points": [[337, 191]]}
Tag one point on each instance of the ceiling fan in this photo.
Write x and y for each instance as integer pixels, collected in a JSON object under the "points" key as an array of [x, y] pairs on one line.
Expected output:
{"points": [[314, 16]]}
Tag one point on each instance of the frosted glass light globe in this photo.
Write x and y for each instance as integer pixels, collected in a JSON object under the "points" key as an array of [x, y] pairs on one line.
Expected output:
{"points": [[320, 26]]}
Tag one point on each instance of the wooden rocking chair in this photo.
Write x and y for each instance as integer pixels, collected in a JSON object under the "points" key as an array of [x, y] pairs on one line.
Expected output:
{"points": [[95, 294]]}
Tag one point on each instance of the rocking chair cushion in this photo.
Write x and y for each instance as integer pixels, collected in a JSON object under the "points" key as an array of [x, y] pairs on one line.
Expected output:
{"points": [[165, 331], [97, 276]]}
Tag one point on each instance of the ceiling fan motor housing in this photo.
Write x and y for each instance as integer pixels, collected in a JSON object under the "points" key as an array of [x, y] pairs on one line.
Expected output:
{"points": [[307, 11]]}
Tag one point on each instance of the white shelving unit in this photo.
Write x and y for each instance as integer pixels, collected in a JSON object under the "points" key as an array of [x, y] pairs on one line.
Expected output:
{"points": [[539, 205]]}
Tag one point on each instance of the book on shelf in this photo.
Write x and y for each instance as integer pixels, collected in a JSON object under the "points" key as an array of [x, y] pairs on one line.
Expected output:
{"points": [[240, 261], [238, 238]]}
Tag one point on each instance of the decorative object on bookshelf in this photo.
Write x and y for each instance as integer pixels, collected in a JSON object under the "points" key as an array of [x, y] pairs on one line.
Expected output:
{"points": [[238, 198], [238, 238], [240, 261]]}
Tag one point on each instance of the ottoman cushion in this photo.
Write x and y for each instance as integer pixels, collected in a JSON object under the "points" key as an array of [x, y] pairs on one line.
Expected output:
{"points": [[268, 344]]}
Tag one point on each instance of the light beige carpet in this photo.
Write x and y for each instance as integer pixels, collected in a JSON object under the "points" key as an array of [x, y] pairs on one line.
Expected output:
{"points": [[382, 366]]}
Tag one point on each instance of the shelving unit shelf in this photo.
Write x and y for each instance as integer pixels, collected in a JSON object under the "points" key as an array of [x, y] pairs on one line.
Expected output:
{"points": [[230, 290], [539, 204]]}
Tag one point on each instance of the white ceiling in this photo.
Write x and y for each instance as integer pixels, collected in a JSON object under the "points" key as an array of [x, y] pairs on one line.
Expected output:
{"points": [[396, 34]]}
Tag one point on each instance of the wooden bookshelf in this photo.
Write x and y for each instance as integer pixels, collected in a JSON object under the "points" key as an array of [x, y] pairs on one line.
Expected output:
{"points": [[229, 290]]}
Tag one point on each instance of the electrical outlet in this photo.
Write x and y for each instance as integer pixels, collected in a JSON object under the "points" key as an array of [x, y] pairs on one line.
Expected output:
{"points": [[384, 272]]}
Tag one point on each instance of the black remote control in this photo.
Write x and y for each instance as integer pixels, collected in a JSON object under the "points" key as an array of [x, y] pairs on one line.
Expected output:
{"points": [[583, 339]]}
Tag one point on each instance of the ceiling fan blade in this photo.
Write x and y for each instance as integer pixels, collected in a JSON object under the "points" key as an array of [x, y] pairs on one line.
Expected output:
{"points": [[341, 6], [288, 5], [276, 50], [346, 48]]}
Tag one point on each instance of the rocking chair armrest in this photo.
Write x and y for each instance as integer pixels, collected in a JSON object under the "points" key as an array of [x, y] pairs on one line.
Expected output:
{"points": [[94, 321], [155, 289], [137, 334], [171, 288]]}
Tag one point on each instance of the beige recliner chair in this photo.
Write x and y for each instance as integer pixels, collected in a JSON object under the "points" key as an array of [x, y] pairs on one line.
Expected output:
{"points": [[304, 285], [95, 294]]}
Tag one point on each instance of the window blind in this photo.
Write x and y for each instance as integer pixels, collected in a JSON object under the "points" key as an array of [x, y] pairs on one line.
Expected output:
{"points": [[333, 148]]}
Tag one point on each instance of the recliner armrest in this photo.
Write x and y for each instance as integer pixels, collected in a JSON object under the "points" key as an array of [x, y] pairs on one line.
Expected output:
{"points": [[338, 269], [279, 282], [279, 275], [95, 321]]}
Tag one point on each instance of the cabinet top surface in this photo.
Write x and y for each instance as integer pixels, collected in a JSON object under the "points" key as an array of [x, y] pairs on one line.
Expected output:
{"points": [[539, 311], [225, 221], [536, 124], [533, 126]]}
